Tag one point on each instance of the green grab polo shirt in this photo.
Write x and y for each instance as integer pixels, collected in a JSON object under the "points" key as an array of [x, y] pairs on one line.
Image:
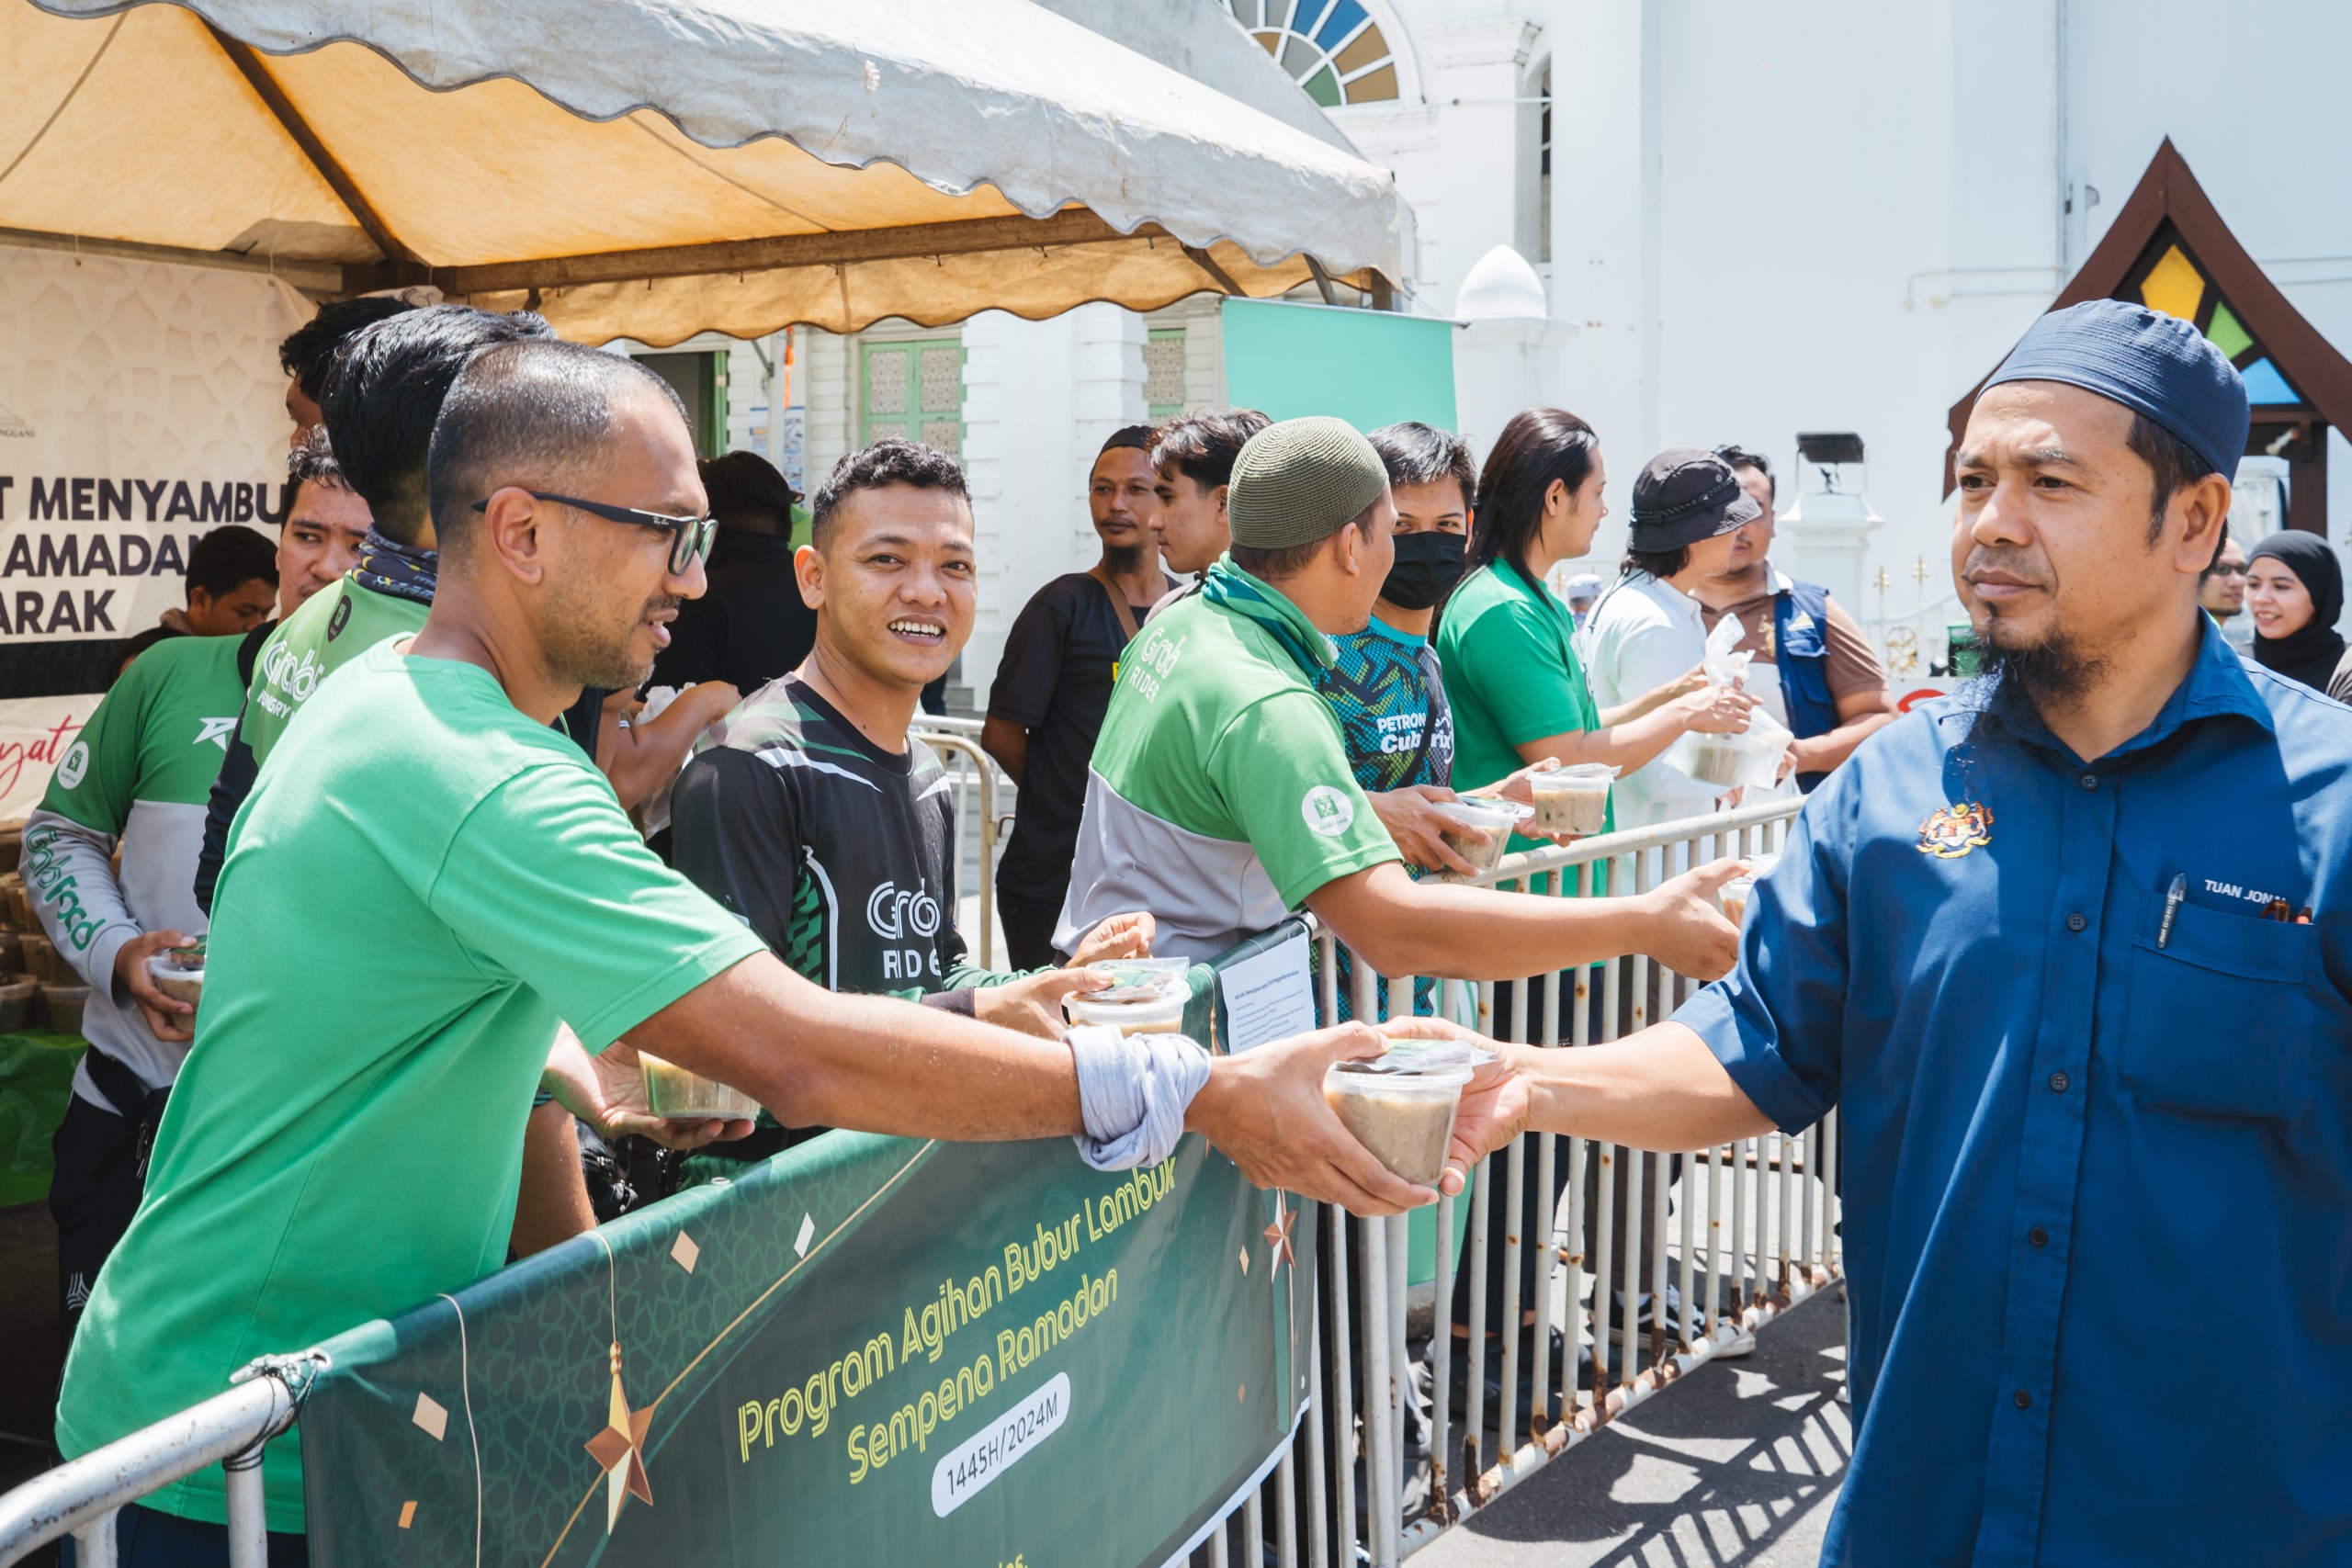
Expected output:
{"points": [[1512, 675], [419, 875], [1220, 794], [335, 626]]}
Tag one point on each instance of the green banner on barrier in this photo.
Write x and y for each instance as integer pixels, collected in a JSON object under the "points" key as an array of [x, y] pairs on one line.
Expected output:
{"points": [[864, 1350]]}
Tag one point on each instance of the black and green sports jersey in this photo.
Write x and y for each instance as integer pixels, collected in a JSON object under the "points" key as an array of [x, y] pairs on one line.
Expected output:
{"points": [[1384, 688], [839, 854]]}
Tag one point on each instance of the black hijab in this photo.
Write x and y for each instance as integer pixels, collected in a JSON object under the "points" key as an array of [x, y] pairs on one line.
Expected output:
{"points": [[2310, 654]]}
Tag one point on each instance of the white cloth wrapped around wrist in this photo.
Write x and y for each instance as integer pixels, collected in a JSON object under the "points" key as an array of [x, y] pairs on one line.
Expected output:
{"points": [[1133, 1091]]}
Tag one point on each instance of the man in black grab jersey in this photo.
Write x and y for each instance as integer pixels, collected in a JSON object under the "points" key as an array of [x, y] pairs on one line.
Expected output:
{"points": [[811, 814]]}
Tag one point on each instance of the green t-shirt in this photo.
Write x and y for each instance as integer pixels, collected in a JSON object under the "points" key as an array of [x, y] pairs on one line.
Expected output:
{"points": [[1220, 794], [419, 879], [1512, 675], [332, 627]]}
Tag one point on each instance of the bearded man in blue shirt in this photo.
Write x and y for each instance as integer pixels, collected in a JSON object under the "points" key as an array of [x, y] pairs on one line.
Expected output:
{"points": [[2092, 1045]]}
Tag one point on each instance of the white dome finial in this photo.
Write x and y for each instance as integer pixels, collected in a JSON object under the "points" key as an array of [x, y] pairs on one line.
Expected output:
{"points": [[1501, 287]]}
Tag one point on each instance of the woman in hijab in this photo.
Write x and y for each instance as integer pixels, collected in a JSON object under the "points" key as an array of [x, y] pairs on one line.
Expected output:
{"points": [[2295, 591]]}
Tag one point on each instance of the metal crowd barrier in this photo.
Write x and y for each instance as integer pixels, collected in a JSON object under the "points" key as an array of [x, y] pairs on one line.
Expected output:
{"points": [[1753, 1234], [83, 1497], [974, 776]]}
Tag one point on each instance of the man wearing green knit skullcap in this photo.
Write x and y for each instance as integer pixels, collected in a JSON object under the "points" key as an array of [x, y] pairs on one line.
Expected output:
{"points": [[1221, 798]]}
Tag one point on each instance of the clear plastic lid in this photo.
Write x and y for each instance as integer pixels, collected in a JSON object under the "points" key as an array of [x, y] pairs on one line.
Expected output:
{"points": [[1137, 979], [1421, 1058], [1577, 772], [1483, 812]]}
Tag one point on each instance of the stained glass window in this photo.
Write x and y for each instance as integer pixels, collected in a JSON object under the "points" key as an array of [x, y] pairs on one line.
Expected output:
{"points": [[1331, 48], [2169, 278]]}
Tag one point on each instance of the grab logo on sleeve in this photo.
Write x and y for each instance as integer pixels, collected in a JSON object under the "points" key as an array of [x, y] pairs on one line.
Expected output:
{"points": [[1328, 811]]}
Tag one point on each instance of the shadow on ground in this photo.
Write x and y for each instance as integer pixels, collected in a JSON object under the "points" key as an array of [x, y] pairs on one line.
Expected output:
{"points": [[1737, 1464]]}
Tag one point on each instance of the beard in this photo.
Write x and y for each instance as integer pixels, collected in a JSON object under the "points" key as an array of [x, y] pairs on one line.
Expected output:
{"points": [[587, 642], [1122, 560], [2054, 671]]}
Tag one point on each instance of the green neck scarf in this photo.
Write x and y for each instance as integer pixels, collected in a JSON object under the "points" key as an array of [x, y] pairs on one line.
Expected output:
{"points": [[1235, 590]]}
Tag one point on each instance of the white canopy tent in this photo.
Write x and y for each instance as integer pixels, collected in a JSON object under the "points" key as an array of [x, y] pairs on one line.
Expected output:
{"points": [[653, 168]]}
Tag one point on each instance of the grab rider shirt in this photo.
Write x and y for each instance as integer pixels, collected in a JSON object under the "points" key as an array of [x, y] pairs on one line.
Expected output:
{"points": [[1220, 794], [839, 854], [136, 777]]}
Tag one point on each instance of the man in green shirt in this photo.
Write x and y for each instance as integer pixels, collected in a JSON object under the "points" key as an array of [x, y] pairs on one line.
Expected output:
{"points": [[1221, 798], [340, 1152]]}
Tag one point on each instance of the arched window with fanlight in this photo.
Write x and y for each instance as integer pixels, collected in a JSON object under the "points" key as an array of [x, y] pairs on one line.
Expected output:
{"points": [[1331, 48]]}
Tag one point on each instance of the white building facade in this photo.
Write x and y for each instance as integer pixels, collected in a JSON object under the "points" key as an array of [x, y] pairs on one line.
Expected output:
{"points": [[1750, 221]]}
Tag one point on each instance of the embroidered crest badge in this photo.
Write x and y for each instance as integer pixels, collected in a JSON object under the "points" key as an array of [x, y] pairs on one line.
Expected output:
{"points": [[1951, 831]]}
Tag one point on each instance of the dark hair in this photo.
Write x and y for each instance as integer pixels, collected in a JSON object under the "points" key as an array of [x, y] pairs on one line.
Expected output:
{"points": [[311, 462], [1135, 437], [747, 492], [385, 392], [2175, 465], [227, 558], [1418, 453], [536, 412], [1660, 564], [1740, 458], [1202, 446], [885, 463], [308, 350], [1536, 446]]}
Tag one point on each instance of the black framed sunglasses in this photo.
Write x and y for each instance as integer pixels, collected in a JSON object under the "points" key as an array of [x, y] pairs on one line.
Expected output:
{"points": [[689, 536]]}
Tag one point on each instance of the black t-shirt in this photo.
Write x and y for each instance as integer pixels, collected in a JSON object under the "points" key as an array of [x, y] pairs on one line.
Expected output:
{"points": [[1053, 680], [749, 627], [838, 854]]}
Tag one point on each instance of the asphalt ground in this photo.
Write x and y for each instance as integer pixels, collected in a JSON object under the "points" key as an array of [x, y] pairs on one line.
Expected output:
{"points": [[1738, 1463]]}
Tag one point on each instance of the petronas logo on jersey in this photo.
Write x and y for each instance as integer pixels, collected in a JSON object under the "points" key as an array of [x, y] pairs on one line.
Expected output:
{"points": [[216, 730]]}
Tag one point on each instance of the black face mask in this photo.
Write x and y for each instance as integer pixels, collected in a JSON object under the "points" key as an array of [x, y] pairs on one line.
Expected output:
{"points": [[1427, 566]]}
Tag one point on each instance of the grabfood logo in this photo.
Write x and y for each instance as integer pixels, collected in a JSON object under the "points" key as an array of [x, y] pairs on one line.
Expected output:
{"points": [[297, 677], [1328, 811], [903, 914]]}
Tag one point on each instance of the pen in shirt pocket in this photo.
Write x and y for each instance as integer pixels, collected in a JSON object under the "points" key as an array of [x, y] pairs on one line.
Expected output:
{"points": [[2173, 896]]}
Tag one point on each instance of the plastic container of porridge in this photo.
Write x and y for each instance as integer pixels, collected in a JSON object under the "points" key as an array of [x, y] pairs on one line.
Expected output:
{"points": [[1574, 799], [1736, 893], [179, 972], [1147, 996], [1479, 830], [679, 1095], [1401, 1104], [65, 1004]]}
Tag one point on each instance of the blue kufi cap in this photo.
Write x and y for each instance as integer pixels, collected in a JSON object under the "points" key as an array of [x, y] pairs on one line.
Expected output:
{"points": [[2151, 363]]}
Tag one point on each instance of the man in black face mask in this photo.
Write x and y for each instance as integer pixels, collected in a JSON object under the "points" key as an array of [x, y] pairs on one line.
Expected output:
{"points": [[1384, 685]]}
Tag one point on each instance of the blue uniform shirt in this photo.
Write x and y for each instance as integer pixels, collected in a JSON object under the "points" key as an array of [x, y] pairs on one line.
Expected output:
{"points": [[2098, 1191]]}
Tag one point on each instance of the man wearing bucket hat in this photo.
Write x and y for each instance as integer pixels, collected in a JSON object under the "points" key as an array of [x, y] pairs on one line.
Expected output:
{"points": [[1647, 631], [1220, 797], [2005, 942]]}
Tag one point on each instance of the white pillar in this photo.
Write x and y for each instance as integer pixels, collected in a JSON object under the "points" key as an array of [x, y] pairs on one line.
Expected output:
{"points": [[1039, 398]]}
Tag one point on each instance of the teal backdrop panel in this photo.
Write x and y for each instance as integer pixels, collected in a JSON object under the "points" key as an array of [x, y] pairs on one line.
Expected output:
{"points": [[1369, 367]]}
